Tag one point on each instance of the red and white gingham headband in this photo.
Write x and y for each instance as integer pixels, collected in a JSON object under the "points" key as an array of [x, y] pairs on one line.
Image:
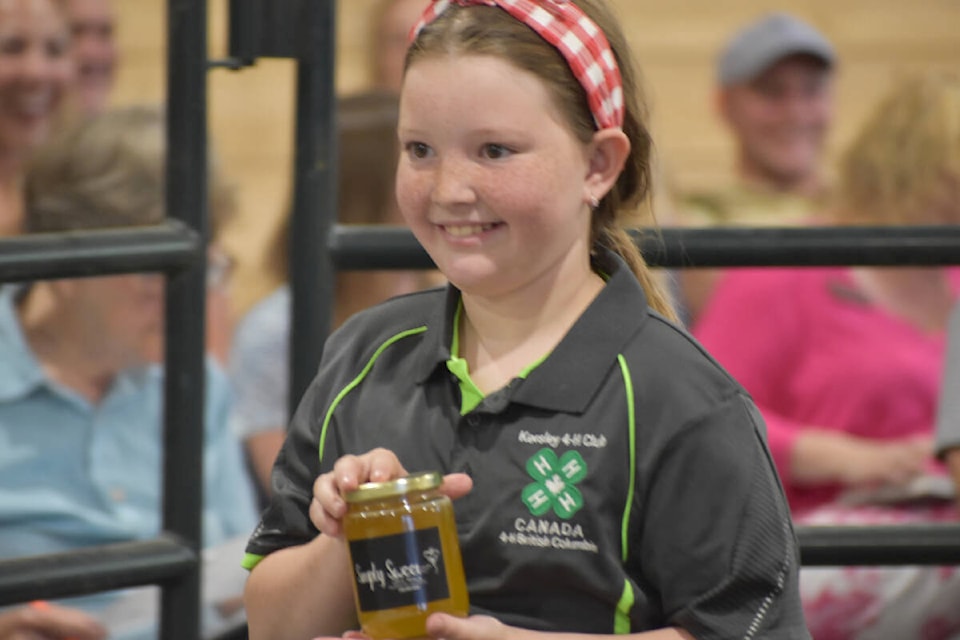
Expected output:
{"points": [[578, 38]]}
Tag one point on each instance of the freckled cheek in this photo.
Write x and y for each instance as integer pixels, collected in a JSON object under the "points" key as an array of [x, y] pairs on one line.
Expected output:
{"points": [[412, 196], [525, 196]]}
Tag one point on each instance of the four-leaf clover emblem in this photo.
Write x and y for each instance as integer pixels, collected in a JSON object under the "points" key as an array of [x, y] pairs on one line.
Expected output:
{"points": [[554, 485]]}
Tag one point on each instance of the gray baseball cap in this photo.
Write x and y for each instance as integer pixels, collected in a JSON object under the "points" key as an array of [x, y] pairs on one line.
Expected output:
{"points": [[759, 45]]}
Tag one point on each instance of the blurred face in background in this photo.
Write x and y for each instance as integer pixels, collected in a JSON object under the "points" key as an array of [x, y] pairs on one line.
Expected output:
{"points": [[92, 28], [781, 119], [122, 315], [35, 71], [393, 31]]}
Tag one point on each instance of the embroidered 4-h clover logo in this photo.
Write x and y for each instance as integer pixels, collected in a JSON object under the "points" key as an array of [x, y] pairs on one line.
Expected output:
{"points": [[554, 483]]}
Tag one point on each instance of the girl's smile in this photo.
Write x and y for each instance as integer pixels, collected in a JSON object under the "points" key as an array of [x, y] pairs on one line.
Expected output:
{"points": [[464, 231]]}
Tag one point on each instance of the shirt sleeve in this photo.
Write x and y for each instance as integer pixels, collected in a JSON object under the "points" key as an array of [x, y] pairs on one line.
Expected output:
{"points": [[724, 568], [948, 410], [286, 520], [753, 329]]}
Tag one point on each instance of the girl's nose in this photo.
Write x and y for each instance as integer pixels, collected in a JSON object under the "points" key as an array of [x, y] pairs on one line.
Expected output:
{"points": [[453, 184]]}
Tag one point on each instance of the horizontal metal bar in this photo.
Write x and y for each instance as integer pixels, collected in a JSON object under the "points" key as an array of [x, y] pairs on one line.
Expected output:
{"points": [[804, 246], [886, 545], [367, 247], [169, 246], [94, 569], [130, 564], [358, 247]]}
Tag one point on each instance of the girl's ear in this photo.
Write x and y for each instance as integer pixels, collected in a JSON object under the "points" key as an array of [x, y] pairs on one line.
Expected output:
{"points": [[607, 153]]}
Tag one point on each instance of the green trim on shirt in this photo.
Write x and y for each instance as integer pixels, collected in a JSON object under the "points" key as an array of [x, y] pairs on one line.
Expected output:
{"points": [[356, 381], [470, 395], [621, 619], [250, 560], [632, 426]]}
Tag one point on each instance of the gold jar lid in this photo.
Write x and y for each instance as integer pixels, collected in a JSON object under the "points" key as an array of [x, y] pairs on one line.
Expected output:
{"points": [[424, 481]]}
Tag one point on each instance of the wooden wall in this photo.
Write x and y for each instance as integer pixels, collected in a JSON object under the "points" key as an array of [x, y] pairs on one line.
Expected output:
{"points": [[675, 42]]}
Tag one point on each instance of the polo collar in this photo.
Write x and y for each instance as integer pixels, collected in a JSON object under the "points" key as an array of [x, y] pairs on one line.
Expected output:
{"points": [[439, 335], [569, 378], [576, 369]]}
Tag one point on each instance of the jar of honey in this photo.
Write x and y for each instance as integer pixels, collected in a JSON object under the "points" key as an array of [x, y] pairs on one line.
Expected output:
{"points": [[405, 555]]}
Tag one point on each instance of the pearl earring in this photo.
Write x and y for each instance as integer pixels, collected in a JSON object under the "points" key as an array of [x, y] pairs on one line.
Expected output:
{"points": [[594, 202]]}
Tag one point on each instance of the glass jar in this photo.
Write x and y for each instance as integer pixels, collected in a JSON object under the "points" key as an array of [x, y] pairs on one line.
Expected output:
{"points": [[405, 555]]}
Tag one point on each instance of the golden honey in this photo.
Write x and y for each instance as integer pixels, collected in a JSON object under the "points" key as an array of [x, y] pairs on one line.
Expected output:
{"points": [[405, 555]]}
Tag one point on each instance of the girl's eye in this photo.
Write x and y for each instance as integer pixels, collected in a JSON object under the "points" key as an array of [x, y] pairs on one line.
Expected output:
{"points": [[494, 151], [417, 150]]}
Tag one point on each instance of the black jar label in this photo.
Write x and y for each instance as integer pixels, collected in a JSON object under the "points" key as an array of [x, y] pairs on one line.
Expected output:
{"points": [[399, 570]]}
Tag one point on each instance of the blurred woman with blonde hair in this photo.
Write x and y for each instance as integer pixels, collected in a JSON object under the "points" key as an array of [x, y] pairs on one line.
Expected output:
{"points": [[35, 74], [845, 364]]}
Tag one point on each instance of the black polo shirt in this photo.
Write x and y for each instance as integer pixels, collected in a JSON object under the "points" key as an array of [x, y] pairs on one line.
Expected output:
{"points": [[623, 485]]}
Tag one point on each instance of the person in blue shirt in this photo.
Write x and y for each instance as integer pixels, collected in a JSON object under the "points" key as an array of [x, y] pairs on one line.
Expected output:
{"points": [[81, 390]]}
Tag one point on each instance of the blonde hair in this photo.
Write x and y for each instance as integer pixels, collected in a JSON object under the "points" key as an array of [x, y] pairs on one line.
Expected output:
{"points": [[108, 171], [484, 30], [906, 159]]}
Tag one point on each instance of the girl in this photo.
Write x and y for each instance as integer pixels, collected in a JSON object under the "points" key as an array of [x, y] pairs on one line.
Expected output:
{"points": [[523, 141]]}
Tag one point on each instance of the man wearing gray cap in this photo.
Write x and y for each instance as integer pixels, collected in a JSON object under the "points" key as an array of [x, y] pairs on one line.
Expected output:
{"points": [[775, 94]]}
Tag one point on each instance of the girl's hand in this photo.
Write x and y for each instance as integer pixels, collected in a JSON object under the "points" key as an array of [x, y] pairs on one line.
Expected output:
{"points": [[44, 621], [441, 626], [349, 472], [446, 627]]}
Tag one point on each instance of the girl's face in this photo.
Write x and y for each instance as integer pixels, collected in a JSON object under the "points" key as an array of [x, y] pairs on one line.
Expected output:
{"points": [[35, 70], [491, 180]]}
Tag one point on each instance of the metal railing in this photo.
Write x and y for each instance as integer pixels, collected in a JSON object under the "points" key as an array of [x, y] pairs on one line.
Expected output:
{"points": [[176, 248]]}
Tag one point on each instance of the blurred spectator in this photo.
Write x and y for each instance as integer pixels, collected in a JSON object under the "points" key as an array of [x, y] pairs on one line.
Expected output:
{"points": [[43, 621], [35, 72], [92, 27], [394, 20], [81, 397], [775, 95], [259, 360], [845, 364]]}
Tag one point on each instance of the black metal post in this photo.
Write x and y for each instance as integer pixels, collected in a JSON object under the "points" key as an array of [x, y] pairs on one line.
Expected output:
{"points": [[185, 317], [314, 194]]}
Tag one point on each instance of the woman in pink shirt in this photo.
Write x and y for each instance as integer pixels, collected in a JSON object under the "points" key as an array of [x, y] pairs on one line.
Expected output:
{"points": [[845, 364]]}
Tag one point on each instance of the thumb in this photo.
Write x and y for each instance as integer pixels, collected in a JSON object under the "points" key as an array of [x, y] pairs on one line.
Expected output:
{"points": [[447, 627], [456, 485]]}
